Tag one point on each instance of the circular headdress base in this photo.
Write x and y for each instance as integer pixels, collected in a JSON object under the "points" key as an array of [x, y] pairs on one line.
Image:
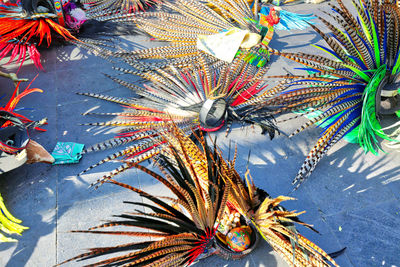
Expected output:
{"points": [[213, 113], [13, 140], [13, 137]]}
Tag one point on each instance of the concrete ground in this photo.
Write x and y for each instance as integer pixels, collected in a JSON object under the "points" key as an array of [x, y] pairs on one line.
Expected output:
{"points": [[352, 198]]}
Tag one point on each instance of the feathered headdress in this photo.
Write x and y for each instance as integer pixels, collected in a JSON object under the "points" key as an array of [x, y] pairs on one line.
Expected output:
{"points": [[182, 227], [210, 95], [29, 24], [10, 119], [345, 93], [221, 29], [204, 185], [21, 33]]}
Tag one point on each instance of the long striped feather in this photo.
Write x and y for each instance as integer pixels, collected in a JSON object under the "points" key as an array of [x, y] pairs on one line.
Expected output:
{"points": [[179, 95], [186, 233], [365, 51]]}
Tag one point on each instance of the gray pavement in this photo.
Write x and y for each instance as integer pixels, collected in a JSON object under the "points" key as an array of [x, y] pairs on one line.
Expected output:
{"points": [[352, 198]]}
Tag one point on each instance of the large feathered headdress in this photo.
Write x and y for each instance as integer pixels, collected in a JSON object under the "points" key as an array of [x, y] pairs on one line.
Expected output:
{"points": [[221, 29], [22, 32], [29, 24], [344, 92], [203, 183], [204, 98], [182, 227]]}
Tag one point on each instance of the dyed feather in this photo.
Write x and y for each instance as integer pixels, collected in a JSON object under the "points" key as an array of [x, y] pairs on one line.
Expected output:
{"points": [[204, 184], [183, 96], [182, 230], [9, 224], [14, 100], [182, 22], [20, 34], [346, 90], [290, 21]]}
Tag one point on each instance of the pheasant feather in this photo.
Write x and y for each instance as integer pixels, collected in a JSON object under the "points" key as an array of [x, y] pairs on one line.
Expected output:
{"points": [[180, 233], [204, 98], [190, 26], [366, 64]]}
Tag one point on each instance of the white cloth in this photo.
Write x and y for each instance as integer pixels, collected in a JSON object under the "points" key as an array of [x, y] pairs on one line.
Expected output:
{"points": [[225, 45]]}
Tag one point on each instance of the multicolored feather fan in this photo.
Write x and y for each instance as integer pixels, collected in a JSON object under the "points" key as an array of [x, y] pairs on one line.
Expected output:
{"points": [[181, 227], [206, 95], [21, 34], [345, 91], [30, 24], [204, 184], [222, 29]]}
